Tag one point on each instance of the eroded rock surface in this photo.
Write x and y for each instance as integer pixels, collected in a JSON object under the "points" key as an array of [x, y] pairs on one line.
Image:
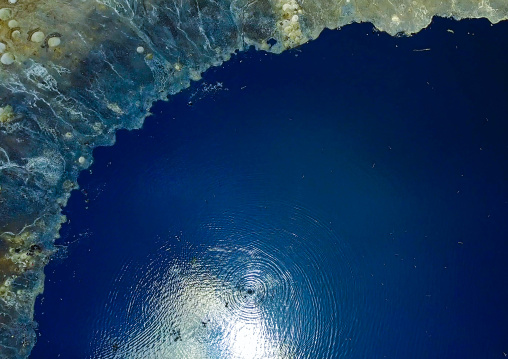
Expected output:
{"points": [[74, 72]]}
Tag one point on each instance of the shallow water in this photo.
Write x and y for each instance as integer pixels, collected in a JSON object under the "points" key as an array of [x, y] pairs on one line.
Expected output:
{"points": [[343, 200]]}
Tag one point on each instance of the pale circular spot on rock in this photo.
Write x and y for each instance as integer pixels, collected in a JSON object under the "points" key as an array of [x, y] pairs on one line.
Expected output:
{"points": [[13, 23], [2, 47], [16, 35], [37, 36], [54, 41], [5, 13], [140, 49], [7, 58], [81, 160]]}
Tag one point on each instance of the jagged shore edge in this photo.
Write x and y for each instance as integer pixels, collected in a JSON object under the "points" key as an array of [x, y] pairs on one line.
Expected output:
{"points": [[19, 340]]}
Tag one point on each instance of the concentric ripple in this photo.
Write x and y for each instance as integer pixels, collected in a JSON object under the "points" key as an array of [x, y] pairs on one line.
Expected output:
{"points": [[275, 282], [298, 271]]}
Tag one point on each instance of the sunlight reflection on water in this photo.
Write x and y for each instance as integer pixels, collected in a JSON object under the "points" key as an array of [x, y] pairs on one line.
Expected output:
{"points": [[267, 284]]}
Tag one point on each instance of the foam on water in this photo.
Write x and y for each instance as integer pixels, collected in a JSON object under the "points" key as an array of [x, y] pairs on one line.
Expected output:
{"points": [[72, 73]]}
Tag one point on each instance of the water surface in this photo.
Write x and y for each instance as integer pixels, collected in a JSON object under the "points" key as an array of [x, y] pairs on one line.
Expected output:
{"points": [[343, 200]]}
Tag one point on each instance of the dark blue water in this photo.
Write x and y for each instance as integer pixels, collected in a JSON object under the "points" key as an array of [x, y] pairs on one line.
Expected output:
{"points": [[348, 199]]}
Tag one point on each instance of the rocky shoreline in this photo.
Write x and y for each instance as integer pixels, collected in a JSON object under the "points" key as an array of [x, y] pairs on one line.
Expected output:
{"points": [[73, 73]]}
